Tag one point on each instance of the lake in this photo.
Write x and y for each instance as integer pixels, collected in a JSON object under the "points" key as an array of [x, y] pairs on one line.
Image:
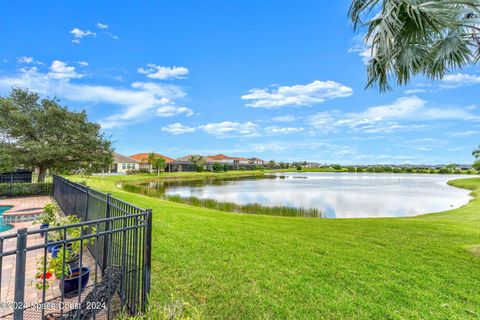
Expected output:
{"points": [[338, 195]]}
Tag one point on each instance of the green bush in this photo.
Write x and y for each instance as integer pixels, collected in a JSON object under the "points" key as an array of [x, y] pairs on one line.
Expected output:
{"points": [[25, 189]]}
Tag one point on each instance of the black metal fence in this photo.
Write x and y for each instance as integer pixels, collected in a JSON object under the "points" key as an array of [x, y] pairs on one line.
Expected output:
{"points": [[21, 177], [112, 235], [24, 184]]}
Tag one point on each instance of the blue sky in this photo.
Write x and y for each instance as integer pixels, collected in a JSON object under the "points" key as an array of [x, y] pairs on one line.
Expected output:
{"points": [[280, 80]]}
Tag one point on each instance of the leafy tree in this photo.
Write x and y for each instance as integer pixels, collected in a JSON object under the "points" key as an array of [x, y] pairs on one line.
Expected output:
{"points": [[336, 167], [157, 163], [6, 161], [40, 133], [451, 166], [271, 164], [198, 161], [225, 167], [351, 169], [299, 167], [410, 37]]}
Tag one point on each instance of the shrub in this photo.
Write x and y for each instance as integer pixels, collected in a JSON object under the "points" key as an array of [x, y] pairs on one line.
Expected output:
{"points": [[25, 189], [299, 168], [217, 167]]}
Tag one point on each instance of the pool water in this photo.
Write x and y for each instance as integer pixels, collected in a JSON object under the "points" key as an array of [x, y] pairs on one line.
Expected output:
{"points": [[3, 226]]}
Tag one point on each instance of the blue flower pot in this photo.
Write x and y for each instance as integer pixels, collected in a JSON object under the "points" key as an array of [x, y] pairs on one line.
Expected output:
{"points": [[56, 249], [50, 246], [71, 285]]}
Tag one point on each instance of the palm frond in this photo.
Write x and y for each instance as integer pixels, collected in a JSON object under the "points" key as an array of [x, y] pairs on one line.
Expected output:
{"points": [[410, 37]]}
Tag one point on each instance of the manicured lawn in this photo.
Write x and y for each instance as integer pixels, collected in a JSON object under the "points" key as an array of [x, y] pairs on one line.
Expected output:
{"points": [[238, 266]]}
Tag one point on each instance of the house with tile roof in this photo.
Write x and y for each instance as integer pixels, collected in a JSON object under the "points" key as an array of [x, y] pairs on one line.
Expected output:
{"points": [[143, 159], [123, 164]]}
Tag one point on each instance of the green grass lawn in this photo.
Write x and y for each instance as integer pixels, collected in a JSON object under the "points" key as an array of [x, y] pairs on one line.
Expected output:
{"points": [[239, 266]]}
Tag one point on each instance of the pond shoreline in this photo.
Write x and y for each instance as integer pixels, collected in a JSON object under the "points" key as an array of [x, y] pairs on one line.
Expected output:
{"points": [[352, 198]]}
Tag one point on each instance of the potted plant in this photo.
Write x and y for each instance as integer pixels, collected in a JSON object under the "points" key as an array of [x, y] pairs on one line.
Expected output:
{"points": [[63, 264], [49, 216], [72, 279]]}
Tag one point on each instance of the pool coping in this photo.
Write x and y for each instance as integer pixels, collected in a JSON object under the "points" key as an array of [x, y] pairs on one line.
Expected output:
{"points": [[17, 212]]}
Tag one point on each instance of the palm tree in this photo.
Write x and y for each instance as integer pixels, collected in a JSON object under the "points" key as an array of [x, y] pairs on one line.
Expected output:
{"points": [[160, 164], [151, 160], [410, 37], [198, 161]]}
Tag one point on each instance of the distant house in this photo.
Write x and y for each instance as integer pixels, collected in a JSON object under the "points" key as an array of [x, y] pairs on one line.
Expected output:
{"points": [[232, 163], [229, 160], [181, 164], [123, 164], [143, 159], [221, 158], [256, 161]]}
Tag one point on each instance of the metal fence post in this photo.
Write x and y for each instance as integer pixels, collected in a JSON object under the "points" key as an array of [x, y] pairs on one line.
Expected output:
{"points": [[106, 236], [87, 200], [148, 255], [20, 274]]}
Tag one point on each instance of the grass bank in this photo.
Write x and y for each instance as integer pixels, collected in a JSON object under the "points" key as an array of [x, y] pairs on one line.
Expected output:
{"points": [[235, 266]]}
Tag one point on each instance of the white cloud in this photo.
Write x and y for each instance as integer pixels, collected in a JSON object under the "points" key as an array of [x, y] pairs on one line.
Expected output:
{"points": [[178, 128], [83, 63], [414, 91], [363, 51], [363, 47], [79, 34], [163, 73], [76, 41], [288, 118], [322, 120], [102, 26], [228, 128], [26, 60], [297, 95], [461, 78], [464, 134], [60, 70], [283, 130], [404, 114], [131, 105], [170, 111]]}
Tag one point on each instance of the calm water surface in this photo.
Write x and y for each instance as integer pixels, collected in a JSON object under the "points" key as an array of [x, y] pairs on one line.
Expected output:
{"points": [[341, 195]]}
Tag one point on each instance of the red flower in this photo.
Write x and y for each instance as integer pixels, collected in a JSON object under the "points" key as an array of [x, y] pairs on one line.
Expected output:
{"points": [[47, 275]]}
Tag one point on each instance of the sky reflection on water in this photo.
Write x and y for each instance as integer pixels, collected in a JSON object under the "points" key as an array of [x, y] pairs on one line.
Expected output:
{"points": [[341, 195]]}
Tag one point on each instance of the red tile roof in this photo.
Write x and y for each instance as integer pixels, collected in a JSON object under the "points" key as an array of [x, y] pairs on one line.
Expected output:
{"points": [[219, 157], [143, 157]]}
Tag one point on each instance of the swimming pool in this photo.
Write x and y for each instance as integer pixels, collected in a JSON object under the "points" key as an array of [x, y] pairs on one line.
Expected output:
{"points": [[3, 226]]}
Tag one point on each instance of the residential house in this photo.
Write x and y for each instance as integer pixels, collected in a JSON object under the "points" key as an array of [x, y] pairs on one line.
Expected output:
{"points": [[123, 164], [181, 164], [256, 161], [221, 158], [143, 159]]}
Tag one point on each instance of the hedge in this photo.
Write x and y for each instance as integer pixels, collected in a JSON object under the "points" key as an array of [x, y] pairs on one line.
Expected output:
{"points": [[25, 189]]}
